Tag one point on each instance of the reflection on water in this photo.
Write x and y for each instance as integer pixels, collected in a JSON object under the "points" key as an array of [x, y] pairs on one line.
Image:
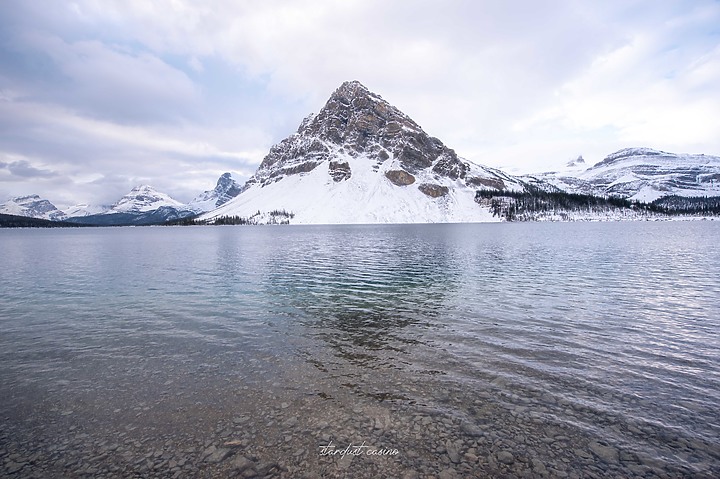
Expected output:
{"points": [[511, 350], [362, 293]]}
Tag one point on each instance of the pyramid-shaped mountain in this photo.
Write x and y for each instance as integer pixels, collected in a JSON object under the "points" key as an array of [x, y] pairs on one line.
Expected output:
{"points": [[225, 190], [361, 160]]}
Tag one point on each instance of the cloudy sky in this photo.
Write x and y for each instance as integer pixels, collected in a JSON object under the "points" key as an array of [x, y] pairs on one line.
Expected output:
{"points": [[97, 96]]}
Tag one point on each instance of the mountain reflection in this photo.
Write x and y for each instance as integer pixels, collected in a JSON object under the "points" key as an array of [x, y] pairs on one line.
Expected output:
{"points": [[369, 301]]}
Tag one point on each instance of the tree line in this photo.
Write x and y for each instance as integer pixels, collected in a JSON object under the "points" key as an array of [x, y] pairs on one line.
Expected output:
{"points": [[534, 202], [277, 217]]}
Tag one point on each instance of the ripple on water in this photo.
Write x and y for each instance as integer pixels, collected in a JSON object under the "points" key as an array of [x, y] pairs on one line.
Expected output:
{"points": [[530, 348]]}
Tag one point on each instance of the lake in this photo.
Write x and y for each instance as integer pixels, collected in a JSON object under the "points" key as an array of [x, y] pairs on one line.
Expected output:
{"points": [[409, 351]]}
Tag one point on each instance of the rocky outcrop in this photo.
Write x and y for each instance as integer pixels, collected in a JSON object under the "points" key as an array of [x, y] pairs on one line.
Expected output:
{"points": [[355, 121], [226, 189], [400, 177], [295, 154], [496, 183], [340, 171], [433, 191], [449, 166]]}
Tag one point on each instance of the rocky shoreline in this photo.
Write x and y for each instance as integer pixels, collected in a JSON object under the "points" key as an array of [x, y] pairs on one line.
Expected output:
{"points": [[279, 432]]}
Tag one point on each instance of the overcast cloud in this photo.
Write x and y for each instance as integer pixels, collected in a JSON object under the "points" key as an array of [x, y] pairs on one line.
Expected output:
{"points": [[99, 96]]}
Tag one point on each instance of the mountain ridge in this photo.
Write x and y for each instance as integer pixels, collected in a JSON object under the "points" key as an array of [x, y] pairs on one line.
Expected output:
{"points": [[641, 174], [361, 160], [143, 204]]}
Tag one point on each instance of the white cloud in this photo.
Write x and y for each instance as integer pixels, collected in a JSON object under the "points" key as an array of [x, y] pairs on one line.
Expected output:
{"points": [[181, 159], [655, 90], [111, 81], [518, 84]]}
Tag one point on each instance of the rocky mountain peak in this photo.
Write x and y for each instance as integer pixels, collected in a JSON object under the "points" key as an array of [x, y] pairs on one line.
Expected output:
{"points": [[357, 122], [142, 189], [225, 190], [579, 161], [356, 118], [225, 185], [352, 89]]}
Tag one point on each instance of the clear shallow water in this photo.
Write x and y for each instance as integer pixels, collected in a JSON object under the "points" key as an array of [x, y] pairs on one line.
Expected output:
{"points": [[581, 350]]}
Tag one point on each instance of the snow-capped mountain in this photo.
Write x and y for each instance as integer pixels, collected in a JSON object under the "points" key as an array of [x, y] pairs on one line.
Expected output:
{"points": [[32, 206], [225, 190], [142, 205], [142, 199], [642, 174], [361, 160]]}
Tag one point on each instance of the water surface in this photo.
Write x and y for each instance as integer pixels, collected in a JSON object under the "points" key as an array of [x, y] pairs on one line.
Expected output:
{"points": [[506, 350]]}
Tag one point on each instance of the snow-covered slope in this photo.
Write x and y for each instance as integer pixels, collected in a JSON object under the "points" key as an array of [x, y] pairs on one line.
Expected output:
{"points": [[32, 206], [366, 197], [361, 160], [84, 209], [225, 190], [645, 174], [642, 174]]}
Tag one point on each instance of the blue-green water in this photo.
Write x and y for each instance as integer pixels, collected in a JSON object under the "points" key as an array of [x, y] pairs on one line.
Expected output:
{"points": [[590, 348]]}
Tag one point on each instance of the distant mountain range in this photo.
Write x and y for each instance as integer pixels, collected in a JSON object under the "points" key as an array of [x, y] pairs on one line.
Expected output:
{"points": [[361, 160], [641, 174], [143, 205]]}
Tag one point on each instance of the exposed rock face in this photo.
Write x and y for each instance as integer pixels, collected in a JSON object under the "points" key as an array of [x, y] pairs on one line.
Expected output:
{"points": [[496, 183], [579, 161], [400, 177], [340, 171], [433, 191], [356, 121], [225, 190]]}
